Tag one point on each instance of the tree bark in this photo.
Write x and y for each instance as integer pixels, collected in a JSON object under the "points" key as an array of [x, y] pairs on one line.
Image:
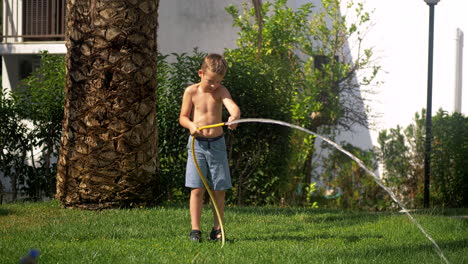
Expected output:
{"points": [[108, 152]]}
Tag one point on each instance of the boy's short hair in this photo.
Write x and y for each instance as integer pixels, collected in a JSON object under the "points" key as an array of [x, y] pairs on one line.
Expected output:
{"points": [[215, 63]]}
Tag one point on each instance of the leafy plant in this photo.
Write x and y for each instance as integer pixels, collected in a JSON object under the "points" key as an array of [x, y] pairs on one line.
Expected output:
{"points": [[449, 160], [172, 80], [310, 189], [14, 143], [312, 77], [402, 154], [399, 161], [39, 100], [356, 189], [257, 155]]}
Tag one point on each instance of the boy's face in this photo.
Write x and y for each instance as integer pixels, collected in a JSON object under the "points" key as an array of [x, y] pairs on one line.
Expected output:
{"points": [[210, 81]]}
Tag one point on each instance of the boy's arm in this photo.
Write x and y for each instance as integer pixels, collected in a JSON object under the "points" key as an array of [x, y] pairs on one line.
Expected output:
{"points": [[232, 108], [185, 111]]}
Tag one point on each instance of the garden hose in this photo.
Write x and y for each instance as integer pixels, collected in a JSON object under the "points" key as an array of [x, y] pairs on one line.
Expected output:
{"points": [[215, 205]]}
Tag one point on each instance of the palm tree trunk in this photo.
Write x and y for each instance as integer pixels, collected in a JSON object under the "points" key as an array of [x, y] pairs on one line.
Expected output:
{"points": [[108, 152]]}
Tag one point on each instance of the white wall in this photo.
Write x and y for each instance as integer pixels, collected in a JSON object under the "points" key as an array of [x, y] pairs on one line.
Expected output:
{"points": [[205, 24], [12, 54], [400, 41], [10, 71]]}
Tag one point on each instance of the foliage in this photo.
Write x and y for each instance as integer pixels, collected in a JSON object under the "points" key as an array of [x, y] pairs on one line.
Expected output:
{"points": [[39, 99], [172, 80], [263, 84], [299, 165], [31, 118], [449, 159], [402, 154], [333, 90], [14, 142], [354, 188], [40, 96], [256, 161], [399, 161], [277, 58], [258, 152], [311, 47], [310, 189], [312, 78]]}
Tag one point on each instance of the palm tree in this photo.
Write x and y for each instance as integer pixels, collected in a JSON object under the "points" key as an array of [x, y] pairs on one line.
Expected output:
{"points": [[108, 152]]}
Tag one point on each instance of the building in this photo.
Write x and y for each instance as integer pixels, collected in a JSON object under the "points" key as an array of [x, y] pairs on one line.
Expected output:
{"points": [[29, 26]]}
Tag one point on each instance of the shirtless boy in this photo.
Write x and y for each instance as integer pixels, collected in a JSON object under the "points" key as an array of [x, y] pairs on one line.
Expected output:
{"points": [[201, 106]]}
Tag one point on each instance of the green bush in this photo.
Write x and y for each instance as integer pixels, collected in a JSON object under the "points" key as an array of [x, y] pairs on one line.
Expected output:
{"points": [[172, 80], [449, 160], [39, 99], [264, 82], [353, 187], [402, 154], [14, 143], [258, 152], [310, 79]]}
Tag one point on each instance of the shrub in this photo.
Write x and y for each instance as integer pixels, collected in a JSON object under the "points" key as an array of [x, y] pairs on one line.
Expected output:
{"points": [[172, 80], [14, 143], [257, 153], [40, 99], [402, 154], [353, 187]]}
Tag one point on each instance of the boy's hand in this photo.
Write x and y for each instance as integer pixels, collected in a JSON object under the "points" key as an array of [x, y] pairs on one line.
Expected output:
{"points": [[194, 131], [233, 126]]}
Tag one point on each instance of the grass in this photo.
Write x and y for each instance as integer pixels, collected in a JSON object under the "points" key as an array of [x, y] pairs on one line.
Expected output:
{"points": [[255, 235]]}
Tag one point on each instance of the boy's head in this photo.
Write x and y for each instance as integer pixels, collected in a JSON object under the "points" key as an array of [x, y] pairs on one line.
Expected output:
{"points": [[212, 71], [214, 63]]}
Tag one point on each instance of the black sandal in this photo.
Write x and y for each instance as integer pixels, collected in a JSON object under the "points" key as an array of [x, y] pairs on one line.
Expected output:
{"points": [[195, 235], [214, 234]]}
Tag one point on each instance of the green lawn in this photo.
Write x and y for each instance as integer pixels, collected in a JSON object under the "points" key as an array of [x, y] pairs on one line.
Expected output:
{"points": [[255, 235]]}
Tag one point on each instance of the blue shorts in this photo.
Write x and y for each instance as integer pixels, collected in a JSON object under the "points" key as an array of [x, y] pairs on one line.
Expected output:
{"points": [[212, 158]]}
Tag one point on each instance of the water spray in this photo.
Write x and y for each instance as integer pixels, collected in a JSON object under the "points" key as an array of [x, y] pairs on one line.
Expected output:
{"points": [[337, 146]]}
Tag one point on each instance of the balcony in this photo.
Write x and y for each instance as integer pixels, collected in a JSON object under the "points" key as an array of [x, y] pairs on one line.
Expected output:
{"points": [[33, 21]]}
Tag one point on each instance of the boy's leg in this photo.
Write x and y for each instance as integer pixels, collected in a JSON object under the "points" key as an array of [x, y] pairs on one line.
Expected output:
{"points": [[196, 206], [219, 197]]}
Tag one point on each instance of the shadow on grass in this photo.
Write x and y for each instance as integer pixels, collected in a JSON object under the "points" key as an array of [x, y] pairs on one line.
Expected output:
{"points": [[5, 212], [316, 216], [303, 238], [288, 211], [450, 249], [442, 211], [266, 210]]}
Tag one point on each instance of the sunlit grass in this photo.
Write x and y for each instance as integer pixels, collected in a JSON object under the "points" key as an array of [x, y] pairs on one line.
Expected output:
{"points": [[254, 235]]}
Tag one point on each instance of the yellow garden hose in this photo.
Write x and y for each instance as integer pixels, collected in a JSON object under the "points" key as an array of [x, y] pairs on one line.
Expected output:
{"points": [[215, 205]]}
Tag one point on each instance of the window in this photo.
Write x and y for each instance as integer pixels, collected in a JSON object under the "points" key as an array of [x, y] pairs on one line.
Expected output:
{"points": [[43, 20]]}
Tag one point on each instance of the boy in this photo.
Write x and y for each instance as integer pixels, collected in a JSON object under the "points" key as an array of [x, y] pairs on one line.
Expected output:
{"points": [[202, 105]]}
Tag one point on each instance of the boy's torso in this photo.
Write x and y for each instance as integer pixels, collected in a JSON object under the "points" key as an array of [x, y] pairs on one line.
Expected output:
{"points": [[207, 110]]}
